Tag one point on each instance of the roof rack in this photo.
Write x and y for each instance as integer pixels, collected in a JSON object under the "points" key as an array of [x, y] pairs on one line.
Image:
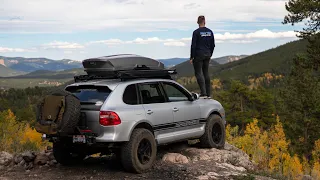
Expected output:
{"points": [[139, 72]]}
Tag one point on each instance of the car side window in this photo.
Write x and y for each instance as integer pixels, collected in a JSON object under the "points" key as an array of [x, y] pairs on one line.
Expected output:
{"points": [[130, 95], [151, 93], [174, 93]]}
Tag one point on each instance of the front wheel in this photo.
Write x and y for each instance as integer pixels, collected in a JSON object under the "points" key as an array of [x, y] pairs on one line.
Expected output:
{"points": [[139, 154], [214, 136]]}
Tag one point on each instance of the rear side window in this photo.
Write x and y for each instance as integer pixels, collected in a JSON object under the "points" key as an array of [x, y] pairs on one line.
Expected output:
{"points": [[90, 94], [151, 93], [130, 95]]}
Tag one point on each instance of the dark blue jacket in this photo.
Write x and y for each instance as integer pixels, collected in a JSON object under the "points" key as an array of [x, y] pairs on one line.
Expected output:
{"points": [[202, 43]]}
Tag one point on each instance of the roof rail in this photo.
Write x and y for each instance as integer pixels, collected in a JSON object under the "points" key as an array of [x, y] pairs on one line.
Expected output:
{"points": [[140, 72]]}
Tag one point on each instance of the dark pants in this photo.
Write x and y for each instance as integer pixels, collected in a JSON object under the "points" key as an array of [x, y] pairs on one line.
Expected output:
{"points": [[201, 70]]}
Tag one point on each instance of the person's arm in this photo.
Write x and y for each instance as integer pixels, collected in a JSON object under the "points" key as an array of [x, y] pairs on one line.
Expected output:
{"points": [[193, 45]]}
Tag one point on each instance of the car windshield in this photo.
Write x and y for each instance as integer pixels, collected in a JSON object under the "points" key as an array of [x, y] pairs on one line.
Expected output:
{"points": [[90, 94]]}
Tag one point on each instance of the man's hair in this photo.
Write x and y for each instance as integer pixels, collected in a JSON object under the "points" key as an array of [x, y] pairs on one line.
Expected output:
{"points": [[201, 19]]}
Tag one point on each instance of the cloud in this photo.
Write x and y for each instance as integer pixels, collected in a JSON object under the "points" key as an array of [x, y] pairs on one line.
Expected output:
{"points": [[166, 42], [261, 34], [108, 42], [228, 37], [242, 41], [62, 45], [55, 15], [175, 43], [17, 50]]}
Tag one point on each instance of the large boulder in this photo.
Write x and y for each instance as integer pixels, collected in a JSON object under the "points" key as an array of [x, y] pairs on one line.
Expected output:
{"points": [[28, 156], [41, 159], [175, 158], [18, 159], [230, 154], [5, 158]]}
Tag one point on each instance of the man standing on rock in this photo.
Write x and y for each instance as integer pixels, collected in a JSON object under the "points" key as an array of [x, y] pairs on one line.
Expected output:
{"points": [[202, 47]]}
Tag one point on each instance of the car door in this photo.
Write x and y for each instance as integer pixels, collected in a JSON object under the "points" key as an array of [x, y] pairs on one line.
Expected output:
{"points": [[156, 108], [186, 113]]}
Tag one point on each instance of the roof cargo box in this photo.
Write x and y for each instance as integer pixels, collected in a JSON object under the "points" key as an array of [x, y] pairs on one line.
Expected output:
{"points": [[111, 64]]}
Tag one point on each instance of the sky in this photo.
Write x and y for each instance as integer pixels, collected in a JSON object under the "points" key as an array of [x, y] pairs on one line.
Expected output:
{"points": [[80, 29]]}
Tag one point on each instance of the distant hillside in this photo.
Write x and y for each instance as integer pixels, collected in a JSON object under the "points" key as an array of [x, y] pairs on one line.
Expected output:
{"points": [[276, 60], [186, 69], [221, 60], [40, 78], [227, 59], [45, 74], [6, 72], [34, 64], [172, 61]]}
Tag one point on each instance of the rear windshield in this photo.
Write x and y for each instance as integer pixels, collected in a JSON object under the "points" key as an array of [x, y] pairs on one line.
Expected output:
{"points": [[90, 94]]}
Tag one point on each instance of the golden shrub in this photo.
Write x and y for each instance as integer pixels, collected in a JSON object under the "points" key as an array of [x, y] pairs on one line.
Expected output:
{"points": [[316, 171], [292, 167], [17, 136]]}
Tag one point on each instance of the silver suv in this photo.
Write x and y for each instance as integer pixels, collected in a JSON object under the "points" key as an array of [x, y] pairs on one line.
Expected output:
{"points": [[132, 117]]}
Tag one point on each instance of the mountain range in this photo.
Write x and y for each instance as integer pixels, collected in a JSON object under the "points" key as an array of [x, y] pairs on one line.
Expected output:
{"points": [[11, 66], [15, 66]]}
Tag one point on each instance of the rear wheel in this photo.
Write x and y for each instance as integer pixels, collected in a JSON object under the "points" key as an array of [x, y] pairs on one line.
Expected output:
{"points": [[64, 154], [214, 136], [139, 154]]}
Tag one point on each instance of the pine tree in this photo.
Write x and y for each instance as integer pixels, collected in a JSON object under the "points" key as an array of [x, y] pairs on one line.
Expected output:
{"points": [[300, 106]]}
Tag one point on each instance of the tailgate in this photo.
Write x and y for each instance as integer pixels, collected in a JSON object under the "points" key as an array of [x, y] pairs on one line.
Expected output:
{"points": [[92, 98]]}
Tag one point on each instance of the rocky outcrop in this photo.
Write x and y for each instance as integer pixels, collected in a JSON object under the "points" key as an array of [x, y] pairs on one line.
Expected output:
{"points": [[5, 159], [27, 160], [2, 62], [214, 163], [175, 158]]}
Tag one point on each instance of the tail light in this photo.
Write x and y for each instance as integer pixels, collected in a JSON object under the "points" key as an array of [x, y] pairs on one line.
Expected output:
{"points": [[109, 118]]}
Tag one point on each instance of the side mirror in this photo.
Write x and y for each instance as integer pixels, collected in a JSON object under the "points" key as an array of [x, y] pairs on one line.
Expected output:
{"points": [[195, 96]]}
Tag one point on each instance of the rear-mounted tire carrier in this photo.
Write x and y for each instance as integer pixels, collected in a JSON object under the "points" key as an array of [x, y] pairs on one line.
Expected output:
{"points": [[68, 114]]}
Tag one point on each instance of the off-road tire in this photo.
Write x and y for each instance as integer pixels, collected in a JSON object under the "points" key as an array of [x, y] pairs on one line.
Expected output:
{"points": [[129, 151], [71, 113], [214, 124], [63, 154]]}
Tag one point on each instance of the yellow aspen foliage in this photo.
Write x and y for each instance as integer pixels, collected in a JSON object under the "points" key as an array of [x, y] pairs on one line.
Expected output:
{"points": [[228, 133], [278, 147], [316, 150], [10, 132], [216, 84], [292, 167], [33, 137], [254, 143], [306, 166], [16, 136], [316, 171], [232, 133], [316, 158]]}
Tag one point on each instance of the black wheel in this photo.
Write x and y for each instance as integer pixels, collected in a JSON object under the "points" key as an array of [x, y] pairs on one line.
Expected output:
{"points": [[214, 136], [71, 114], [64, 154], [139, 154]]}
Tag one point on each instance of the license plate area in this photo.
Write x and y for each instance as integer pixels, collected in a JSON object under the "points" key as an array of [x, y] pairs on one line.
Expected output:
{"points": [[79, 139]]}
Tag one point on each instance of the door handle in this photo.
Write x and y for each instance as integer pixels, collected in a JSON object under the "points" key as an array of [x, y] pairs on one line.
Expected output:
{"points": [[149, 112], [175, 109]]}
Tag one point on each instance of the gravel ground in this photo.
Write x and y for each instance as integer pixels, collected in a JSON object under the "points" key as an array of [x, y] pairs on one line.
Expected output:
{"points": [[97, 168]]}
